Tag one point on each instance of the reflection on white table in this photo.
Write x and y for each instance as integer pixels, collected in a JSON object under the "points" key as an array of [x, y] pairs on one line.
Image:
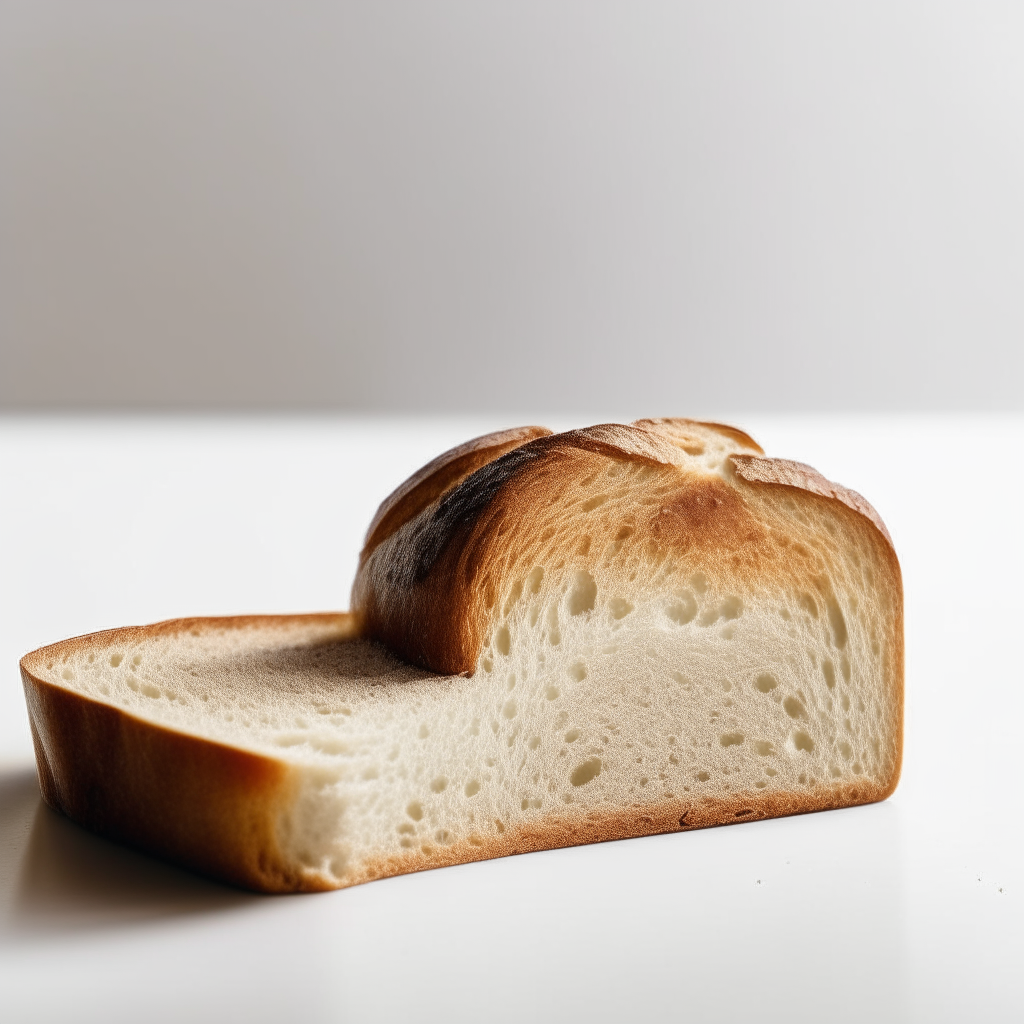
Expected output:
{"points": [[909, 910]]}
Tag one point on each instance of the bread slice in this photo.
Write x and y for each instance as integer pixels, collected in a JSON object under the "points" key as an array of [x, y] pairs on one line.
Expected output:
{"points": [[555, 639]]}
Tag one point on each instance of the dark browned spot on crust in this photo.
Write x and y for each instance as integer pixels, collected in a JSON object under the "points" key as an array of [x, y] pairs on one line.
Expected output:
{"points": [[439, 476]]}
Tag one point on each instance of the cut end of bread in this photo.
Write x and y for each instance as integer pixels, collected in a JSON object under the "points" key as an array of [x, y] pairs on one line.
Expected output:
{"points": [[606, 634]]}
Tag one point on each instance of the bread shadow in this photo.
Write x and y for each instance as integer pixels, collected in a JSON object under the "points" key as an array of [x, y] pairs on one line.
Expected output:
{"points": [[56, 877]]}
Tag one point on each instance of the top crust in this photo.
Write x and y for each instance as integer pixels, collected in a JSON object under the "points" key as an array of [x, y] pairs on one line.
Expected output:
{"points": [[431, 588], [441, 475]]}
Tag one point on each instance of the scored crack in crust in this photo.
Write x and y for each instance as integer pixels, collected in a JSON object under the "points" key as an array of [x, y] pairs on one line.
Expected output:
{"points": [[639, 629]]}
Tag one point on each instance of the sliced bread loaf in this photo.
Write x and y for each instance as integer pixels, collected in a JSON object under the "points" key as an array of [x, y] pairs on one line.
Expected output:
{"points": [[555, 639]]}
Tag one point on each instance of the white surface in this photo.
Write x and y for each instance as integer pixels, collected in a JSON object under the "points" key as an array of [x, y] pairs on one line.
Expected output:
{"points": [[905, 911], [465, 204]]}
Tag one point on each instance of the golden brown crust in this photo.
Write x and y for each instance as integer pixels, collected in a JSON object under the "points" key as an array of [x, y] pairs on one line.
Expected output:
{"points": [[206, 805], [682, 430], [343, 626], [200, 804], [431, 591], [425, 592], [802, 477]]}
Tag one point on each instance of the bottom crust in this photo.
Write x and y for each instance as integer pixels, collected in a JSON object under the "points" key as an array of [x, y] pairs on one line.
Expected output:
{"points": [[557, 831]]}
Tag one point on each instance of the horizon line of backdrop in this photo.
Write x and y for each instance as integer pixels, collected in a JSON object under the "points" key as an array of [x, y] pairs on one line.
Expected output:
{"points": [[466, 206]]}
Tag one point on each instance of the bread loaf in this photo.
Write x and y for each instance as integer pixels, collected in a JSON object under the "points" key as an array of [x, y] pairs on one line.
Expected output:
{"points": [[554, 639]]}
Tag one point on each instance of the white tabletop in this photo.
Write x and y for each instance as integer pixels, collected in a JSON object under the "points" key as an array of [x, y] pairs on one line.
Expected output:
{"points": [[909, 910]]}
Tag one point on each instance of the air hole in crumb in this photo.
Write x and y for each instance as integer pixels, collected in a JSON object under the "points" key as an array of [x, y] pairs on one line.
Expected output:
{"points": [[554, 633], [502, 640], [584, 773], [731, 739], [619, 607], [513, 597], [552, 692], [572, 736], [795, 709], [683, 608], [472, 787], [828, 670], [837, 622], [766, 682], [415, 810], [764, 748], [578, 672], [440, 784], [583, 593], [424, 731], [803, 742], [702, 776], [510, 710]]}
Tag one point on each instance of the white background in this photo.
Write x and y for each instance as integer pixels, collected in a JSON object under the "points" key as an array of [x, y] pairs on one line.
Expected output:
{"points": [[544, 204], [909, 910], [606, 209]]}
